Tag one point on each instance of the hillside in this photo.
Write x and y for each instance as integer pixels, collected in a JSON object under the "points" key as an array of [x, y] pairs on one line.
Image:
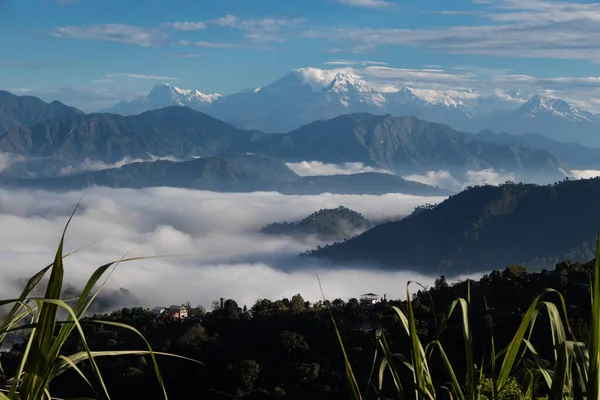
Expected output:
{"points": [[239, 173], [203, 173], [576, 155], [327, 225], [406, 145], [484, 228], [363, 183], [17, 111]]}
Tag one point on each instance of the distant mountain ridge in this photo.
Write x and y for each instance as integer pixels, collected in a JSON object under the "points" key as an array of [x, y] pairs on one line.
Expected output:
{"points": [[237, 173], [293, 101], [484, 228], [20, 111], [405, 145]]}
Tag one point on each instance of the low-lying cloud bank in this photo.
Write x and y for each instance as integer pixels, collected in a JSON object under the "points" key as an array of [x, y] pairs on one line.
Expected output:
{"points": [[95, 165], [446, 180], [584, 173], [225, 257], [314, 168]]}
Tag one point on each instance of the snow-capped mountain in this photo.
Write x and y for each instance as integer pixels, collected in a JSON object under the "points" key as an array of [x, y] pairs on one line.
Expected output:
{"points": [[165, 95], [349, 88], [308, 94], [541, 106]]}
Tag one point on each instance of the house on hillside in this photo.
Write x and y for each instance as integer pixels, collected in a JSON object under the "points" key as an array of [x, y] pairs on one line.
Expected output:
{"points": [[368, 299], [179, 312]]}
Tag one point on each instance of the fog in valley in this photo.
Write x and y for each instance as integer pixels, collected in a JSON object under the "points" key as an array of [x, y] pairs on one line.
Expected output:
{"points": [[214, 235]]}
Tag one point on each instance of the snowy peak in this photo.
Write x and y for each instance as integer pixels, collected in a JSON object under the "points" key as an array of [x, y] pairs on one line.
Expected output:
{"points": [[346, 82], [172, 95], [548, 106]]}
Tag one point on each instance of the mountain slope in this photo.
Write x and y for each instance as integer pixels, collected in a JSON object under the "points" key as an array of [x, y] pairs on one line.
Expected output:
{"points": [[327, 225], [553, 118], [173, 131], [230, 174], [484, 228], [16, 111], [363, 183], [204, 173], [576, 155], [406, 145]]}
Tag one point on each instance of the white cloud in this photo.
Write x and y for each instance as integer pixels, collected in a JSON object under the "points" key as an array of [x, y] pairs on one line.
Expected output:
{"points": [[366, 3], [446, 180], [229, 259], [508, 28], [186, 26], [318, 78], [488, 176], [266, 24], [439, 178], [348, 63], [584, 173], [216, 45], [94, 165], [258, 29], [140, 76], [118, 33], [313, 168], [8, 160], [466, 83]]}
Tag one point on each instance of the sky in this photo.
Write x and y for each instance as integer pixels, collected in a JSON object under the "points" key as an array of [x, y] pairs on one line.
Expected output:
{"points": [[92, 53]]}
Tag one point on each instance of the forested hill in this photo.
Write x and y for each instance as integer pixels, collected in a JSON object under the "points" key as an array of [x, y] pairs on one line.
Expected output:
{"points": [[483, 228], [328, 224]]}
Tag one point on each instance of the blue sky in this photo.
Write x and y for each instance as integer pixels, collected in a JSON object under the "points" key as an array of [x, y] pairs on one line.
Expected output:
{"points": [[91, 53]]}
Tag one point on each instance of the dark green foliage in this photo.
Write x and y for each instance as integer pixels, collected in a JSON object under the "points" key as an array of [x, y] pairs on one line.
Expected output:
{"points": [[484, 228], [327, 224], [288, 347]]}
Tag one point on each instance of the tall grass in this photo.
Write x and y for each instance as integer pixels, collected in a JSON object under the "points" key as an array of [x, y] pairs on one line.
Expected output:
{"points": [[40, 318], [574, 371]]}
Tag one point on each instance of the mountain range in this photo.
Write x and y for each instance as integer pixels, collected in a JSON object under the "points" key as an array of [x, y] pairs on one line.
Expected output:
{"points": [[403, 145], [18, 111], [237, 174], [483, 228], [293, 101]]}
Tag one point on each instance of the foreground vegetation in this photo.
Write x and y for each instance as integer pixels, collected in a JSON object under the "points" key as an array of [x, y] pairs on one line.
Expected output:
{"points": [[510, 335]]}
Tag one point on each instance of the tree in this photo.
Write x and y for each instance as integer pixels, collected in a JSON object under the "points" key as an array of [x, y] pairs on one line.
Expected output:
{"points": [[297, 304], [193, 338], [441, 283], [292, 342], [231, 310], [243, 377]]}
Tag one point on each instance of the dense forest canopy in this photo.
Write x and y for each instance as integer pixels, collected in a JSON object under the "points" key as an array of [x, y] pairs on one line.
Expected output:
{"points": [[288, 348], [326, 224], [485, 227]]}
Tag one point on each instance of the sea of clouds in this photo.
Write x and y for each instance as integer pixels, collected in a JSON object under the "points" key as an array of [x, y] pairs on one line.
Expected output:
{"points": [[214, 235]]}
